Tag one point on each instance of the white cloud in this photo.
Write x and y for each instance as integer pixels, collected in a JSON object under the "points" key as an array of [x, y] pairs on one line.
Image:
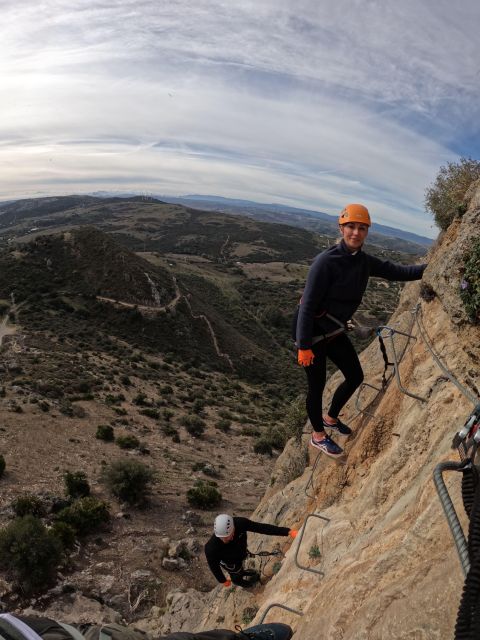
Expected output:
{"points": [[311, 102]]}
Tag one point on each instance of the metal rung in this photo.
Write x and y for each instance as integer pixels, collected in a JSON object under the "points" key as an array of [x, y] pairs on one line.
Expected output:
{"points": [[357, 398], [310, 515], [279, 606]]}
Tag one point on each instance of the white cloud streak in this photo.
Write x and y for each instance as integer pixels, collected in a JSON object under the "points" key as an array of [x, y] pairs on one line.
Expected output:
{"points": [[312, 103]]}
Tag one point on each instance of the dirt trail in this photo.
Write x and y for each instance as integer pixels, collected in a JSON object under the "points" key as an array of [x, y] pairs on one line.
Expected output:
{"points": [[7, 329]]}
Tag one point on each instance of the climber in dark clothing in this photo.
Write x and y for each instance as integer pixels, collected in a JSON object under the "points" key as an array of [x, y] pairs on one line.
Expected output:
{"points": [[268, 631], [20, 627], [227, 548], [333, 292]]}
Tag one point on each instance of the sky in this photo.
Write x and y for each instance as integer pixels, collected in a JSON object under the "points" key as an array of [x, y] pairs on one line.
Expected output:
{"points": [[308, 103]]}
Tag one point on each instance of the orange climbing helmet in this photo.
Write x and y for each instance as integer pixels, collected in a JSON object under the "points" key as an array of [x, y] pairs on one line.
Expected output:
{"points": [[355, 213]]}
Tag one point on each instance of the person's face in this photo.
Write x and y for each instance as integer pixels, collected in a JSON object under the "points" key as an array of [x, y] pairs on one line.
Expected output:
{"points": [[228, 538], [354, 234]]}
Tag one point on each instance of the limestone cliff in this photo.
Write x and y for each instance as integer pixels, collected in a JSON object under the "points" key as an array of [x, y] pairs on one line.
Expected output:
{"points": [[389, 563]]}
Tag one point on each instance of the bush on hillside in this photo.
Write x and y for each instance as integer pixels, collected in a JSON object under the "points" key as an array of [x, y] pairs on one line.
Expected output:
{"points": [[445, 198], [28, 505], [29, 553], [76, 484], [204, 495], [194, 425], [2, 465], [295, 420], [105, 432], [129, 480], [128, 442], [263, 447], [85, 515], [65, 533], [470, 285]]}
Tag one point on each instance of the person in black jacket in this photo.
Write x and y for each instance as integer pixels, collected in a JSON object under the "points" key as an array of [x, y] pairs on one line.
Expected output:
{"points": [[227, 548], [333, 292], [20, 627]]}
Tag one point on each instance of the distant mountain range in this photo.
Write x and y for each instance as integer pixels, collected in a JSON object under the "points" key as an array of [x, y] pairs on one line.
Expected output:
{"points": [[313, 220], [317, 221]]}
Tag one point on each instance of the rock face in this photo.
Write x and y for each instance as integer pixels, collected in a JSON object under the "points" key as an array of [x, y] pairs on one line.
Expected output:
{"points": [[390, 569]]}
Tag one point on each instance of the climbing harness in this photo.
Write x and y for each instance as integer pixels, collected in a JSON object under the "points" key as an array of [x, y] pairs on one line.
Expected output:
{"points": [[467, 440], [264, 555]]}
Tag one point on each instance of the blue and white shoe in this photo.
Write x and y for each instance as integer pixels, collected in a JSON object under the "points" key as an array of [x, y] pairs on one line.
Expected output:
{"points": [[339, 427], [327, 446]]}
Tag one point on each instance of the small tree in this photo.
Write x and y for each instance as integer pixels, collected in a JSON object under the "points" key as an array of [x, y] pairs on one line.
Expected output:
{"points": [[204, 494], [85, 515], [194, 425], [129, 480], [470, 285], [127, 442], [76, 484], [2, 465], [29, 553], [263, 446], [445, 198], [105, 432], [28, 505]]}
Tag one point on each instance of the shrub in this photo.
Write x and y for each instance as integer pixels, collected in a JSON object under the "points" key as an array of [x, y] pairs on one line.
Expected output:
{"points": [[2, 465], [262, 446], [85, 515], [141, 400], [470, 285], [128, 442], [28, 505], [167, 414], [223, 424], [105, 432], [295, 420], [150, 413], [169, 430], [204, 494], [129, 480], [194, 425], [445, 199], [29, 553], [65, 533], [76, 484]]}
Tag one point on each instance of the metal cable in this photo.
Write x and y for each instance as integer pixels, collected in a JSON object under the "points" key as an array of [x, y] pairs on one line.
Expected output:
{"points": [[447, 372], [449, 510]]}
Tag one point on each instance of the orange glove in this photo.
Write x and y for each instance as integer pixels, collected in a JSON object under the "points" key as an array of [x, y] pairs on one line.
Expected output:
{"points": [[305, 357], [293, 533], [227, 583]]}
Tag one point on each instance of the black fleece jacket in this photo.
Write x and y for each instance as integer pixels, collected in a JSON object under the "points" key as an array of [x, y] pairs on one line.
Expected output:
{"points": [[336, 283], [233, 553]]}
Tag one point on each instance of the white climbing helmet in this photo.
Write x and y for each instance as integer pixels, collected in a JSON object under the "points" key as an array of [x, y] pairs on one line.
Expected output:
{"points": [[223, 526]]}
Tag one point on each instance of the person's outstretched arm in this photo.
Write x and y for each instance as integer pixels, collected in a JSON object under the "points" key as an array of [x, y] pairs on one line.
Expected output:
{"points": [[262, 527], [394, 271]]}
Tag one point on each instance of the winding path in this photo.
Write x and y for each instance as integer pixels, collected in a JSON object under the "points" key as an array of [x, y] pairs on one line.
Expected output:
{"points": [[171, 305]]}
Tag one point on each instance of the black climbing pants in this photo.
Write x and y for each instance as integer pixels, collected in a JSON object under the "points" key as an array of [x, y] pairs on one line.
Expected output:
{"points": [[240, 576], [341, 352]]}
